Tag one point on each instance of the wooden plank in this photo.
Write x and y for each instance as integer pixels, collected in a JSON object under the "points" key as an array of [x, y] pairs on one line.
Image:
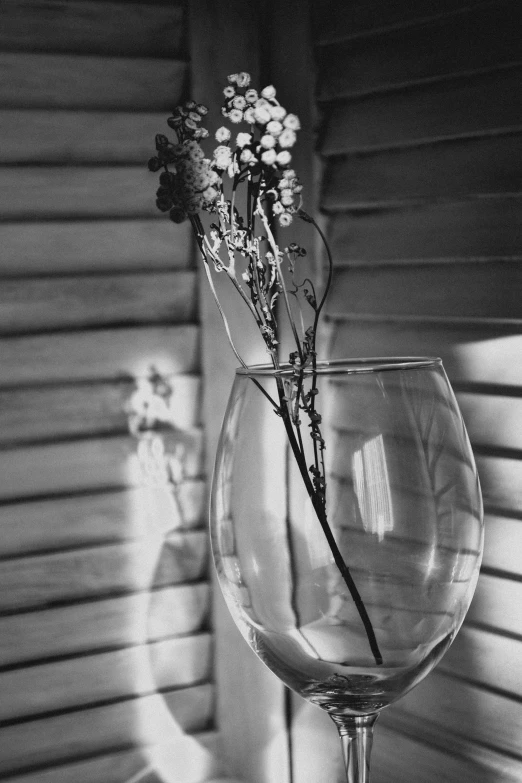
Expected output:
{"points": [[106, 517], [116, 29], [501, 480], [484, 38], [62, 81], [99, 463], [485, 228], [450, 171], [144, 720], [93, 246], [470, 290], [77, 302], [103, 624], [194, 757], [485, 659], [425, 114], [77, 192], [431, 752], [469, 711], [104, 354], [492, 420], [337, 21], [47, 136], [152, 561], [77, 682], [503, 544], [496, 605], [67, 411], [478, 353]]}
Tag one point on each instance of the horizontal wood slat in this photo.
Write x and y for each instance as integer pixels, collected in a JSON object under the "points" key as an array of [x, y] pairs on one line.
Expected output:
{"points": [[60, 81], [77, 682], [116, 29], [106, 517], [485, 659], [429, 751], [496, 605], [335, 21], [65, 137], [103, 624], [31, 414], [94, 463], [77, 192], [492, 420], [503, 544], [104, 354], [449, 171], [200, 754], [463, 229], [501, 480], [76, 302], [109, 728], [93, 246], [425, 114], [461, 290], [478, 353], [484, 38], [467, 711], [132, 566]]}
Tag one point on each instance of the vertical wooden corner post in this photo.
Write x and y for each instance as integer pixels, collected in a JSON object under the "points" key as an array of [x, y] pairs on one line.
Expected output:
{"points": [[271, 41]]}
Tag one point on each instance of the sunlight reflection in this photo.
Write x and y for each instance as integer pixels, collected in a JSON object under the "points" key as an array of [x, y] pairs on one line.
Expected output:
{"points": [[372, 487]]}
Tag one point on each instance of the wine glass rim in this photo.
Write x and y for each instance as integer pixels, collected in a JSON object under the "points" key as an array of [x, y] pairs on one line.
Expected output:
{"points": [[348, 366]]}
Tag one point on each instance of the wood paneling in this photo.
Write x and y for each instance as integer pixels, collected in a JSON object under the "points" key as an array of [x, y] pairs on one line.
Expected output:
{"points": [[68, 137], [481, 167], [125, 724], [57, 247], [104, 623], [93, 28], [427, 114], [485, 37], [459, 290], [496, 605], [45, 81], [104, 354], [485, 228], [67, 192], [503, 544]]}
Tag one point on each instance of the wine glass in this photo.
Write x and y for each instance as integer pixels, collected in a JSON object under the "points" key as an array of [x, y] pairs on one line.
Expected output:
{"points": [[347, 530]]}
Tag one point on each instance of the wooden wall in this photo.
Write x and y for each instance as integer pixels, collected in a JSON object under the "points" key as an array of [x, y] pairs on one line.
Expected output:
{"points": [[105, 651], [421, 138]]}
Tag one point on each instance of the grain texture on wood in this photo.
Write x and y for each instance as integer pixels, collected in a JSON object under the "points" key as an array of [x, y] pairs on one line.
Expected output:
{"points": [[56, 247], [478, 353], [74, 302], [104, 354], [486, 228], [102, 624], [73, 410], [484, 38], [71, 192], [129, 723], [485, 105], [143, 564], [129, 29], [78, 682], [461, 290], [105, 517], [52, 81], [68, 137], [101, 463], [194, 757], [449, 172]]}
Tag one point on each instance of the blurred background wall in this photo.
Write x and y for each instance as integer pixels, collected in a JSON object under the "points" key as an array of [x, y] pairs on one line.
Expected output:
{"points": [[107, 669]]}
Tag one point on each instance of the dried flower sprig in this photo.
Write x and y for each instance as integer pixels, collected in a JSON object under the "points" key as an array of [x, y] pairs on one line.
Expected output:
{"points": [[247, 183]]}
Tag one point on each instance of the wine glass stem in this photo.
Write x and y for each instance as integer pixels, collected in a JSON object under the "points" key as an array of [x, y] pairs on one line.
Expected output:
{"points": [[356, 735]]}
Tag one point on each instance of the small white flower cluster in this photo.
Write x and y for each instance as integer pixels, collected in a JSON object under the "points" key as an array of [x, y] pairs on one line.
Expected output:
{"points": [[288, 187]]}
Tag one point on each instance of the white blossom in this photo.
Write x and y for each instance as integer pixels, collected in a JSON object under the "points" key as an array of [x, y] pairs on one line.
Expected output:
{"points": [[283, 158], [269, 157], [269, 92], [274, 127], [292, 121], [222, 134], [243, 139], [287, 138], [268, 141]]}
